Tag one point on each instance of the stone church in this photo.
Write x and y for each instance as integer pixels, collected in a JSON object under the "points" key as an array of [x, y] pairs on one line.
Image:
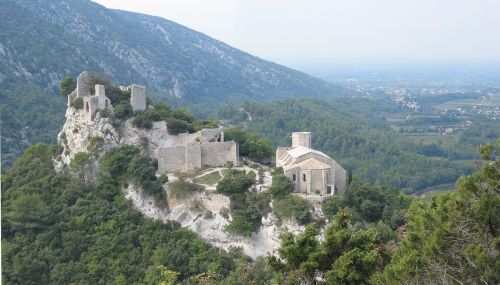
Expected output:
{"points": [[312, 171]]}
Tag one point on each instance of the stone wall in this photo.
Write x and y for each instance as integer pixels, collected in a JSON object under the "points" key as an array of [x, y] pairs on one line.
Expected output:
{"points": [[340, 178], [171, 159], [82, 89], [193, 156], [217, 154], [137, 97], [196, 155], [90, 106], [71, 97]]}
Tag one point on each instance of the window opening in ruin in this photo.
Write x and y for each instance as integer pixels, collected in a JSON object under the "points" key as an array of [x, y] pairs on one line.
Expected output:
{"points": [[303, 178], [329, 189], [87, 106], [294, 177], [106, 102]]}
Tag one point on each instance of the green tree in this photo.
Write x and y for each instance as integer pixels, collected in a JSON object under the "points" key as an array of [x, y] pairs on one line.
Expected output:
{"points": [[366, 200], [293, 208], [332, 205], [455, 238], [123, 110], [258, 147], [116, 162], [345, 256], [83, 165], [281, 185], [77, 103], [67, 86]]}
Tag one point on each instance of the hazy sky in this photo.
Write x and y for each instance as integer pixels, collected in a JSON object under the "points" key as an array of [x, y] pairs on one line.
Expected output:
{"points": [[339, 29]]}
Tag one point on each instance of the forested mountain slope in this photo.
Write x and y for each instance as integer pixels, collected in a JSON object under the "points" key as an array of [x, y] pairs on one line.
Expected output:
{"points": [[43, 41], [355, 133]]}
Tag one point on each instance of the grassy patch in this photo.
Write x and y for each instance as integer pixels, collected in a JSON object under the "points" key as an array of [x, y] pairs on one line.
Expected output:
{"points": [[182, 189], [209, 179]]}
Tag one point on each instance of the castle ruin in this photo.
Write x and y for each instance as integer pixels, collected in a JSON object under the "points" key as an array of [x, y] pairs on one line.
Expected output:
{"points": [[182, 152], [99, 101]]}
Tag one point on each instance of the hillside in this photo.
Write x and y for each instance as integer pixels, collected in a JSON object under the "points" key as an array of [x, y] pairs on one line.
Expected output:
{"points": [[354, 132], [41, 42]]}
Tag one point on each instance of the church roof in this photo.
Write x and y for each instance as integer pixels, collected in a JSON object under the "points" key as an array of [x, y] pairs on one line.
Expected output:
{"points": [[310, 163], [302, 150]]}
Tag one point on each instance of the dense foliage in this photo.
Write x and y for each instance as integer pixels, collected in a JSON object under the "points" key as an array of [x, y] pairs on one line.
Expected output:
{"points": [[67, 86], [250, 144], [346, 255], [454, 239], [178, 120], [286, 206], [356, 134], [127, 164], [247, 207], [28, 114], [57, 231]]}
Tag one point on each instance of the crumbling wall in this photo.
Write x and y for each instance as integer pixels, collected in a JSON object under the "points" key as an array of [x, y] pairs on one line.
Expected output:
{"points": [[196, 155], [90, 106], [171, 159], [217, 154], [193, 156], [82, 88], [137, 97]]}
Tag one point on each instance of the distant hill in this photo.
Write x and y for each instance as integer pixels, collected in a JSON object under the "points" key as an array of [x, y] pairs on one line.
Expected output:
{"points": [[42, 41]]}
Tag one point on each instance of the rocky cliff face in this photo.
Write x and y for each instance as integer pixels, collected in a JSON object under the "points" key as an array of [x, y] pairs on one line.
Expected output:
{"points": [[203, 213]]}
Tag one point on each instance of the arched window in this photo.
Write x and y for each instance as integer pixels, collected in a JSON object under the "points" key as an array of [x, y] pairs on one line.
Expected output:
{"points": [[303, 178], [294, 177]]}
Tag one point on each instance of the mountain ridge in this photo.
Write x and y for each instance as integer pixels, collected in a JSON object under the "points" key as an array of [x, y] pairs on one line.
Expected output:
{"points": [[167, 57]]}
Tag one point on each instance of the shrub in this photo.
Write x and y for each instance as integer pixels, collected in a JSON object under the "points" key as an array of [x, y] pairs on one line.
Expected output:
{"points": [[142, 169], [116, 95], [332, 205], [240, 225], [145, 119], [293, 207], [251, 145], [234, 182], [67, 86], [177, 126], [104, 113], [77, 103], [116, 162], [282, 186], [182, 189], [224, 212], [208, 215], [123, 110], [95, 145]]}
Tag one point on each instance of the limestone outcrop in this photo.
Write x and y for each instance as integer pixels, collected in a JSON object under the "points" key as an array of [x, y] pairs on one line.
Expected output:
{"points": [[209, 217]]}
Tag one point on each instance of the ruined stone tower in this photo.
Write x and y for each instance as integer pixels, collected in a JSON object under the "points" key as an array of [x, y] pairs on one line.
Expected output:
{"points": [[137, 97]]}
